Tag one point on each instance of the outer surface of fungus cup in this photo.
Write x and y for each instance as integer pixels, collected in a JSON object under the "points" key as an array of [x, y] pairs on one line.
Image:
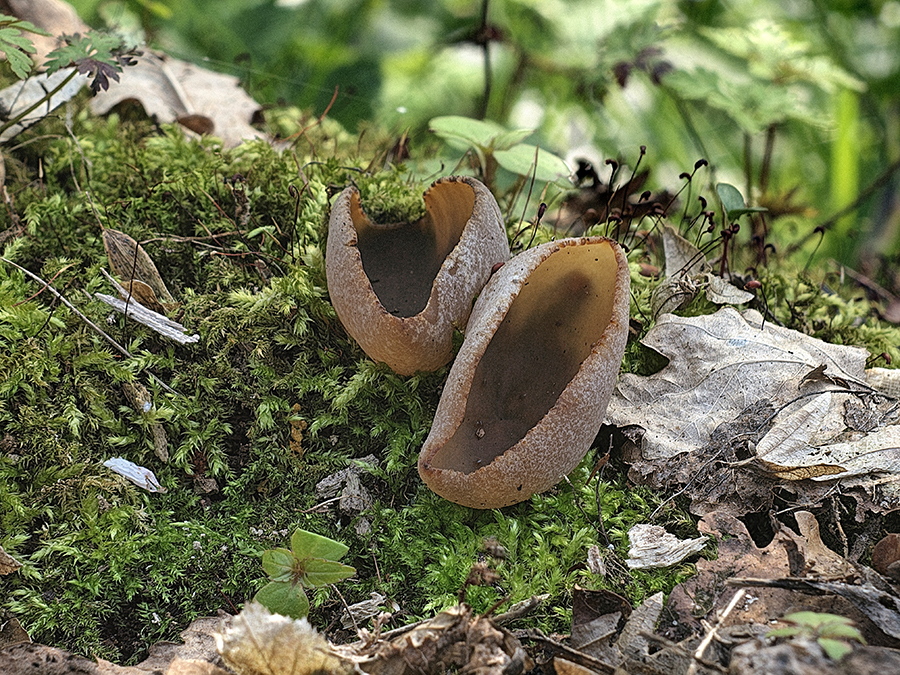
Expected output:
{"points": [[400, 289], [529, 388]]}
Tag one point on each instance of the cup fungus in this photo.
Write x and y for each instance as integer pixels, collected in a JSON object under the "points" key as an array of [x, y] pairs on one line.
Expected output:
{"points": [[528, 390], [400, 289]]}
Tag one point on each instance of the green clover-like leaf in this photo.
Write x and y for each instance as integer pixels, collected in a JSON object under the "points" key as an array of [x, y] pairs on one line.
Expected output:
{"points": [[474, 132], [284, 598], [319, 572], [279, 564], [787, 631], [834, 649], [311, 545], [520, 160], [816, 619]]}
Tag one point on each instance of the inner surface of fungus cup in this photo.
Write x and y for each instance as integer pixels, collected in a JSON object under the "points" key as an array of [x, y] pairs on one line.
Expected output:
{"points": [[400, 289], [529, 388]]}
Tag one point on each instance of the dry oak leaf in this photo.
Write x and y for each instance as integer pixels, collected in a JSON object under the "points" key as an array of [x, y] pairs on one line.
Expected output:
{"points": [[719, 364], [170, 90]]}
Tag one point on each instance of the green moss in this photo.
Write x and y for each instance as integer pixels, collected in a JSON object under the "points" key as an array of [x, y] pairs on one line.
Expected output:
{"points": [[238, 236]]}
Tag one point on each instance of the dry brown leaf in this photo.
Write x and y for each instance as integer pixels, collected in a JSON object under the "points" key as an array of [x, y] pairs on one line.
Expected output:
{"points": [[11, 631], [258, 642], [170, 90], [128, 260], [145, 295], [298, 426], [453, 640], [565, 667], [181, 666], [8, 564], [707, 593], [139, 397], [801, 472]]}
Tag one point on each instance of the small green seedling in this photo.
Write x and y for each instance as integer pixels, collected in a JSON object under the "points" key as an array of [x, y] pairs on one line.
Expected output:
{"points": [[733, 202], [833, 633], [311, 562], [496, 146]]}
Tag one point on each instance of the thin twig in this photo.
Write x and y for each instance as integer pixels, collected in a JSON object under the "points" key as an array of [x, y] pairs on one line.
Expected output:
{"points": [[90, 323], [713, 630]]}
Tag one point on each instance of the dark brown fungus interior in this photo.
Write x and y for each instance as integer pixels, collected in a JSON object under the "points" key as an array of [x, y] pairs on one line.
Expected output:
{"points": [[402, 260], [546, 335]]}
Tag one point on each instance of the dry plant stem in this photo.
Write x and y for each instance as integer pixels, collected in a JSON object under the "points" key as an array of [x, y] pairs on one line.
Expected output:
{"points": [[347, 607], [678, 649], [90, 323], [711, 632], [570, 654], [520, 609]]}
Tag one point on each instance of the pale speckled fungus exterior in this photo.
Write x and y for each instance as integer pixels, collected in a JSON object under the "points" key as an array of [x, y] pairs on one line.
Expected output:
{"points": [[528, 390], [401, 289]]}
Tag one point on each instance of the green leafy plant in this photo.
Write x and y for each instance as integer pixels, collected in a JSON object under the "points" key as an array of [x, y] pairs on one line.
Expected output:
{"points": [[15, 46], [310, 562], [833, 633], [99, 55], [498, 147]]}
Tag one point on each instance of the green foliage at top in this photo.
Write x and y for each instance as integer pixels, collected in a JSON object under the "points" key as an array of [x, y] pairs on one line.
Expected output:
{"points": [[311, 562], [97, 54], [795, 105], [16, 47], [499, 147]]}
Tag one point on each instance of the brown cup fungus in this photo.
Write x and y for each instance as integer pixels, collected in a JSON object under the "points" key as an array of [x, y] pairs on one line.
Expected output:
{"points": [[528, 390], [400, 289]]}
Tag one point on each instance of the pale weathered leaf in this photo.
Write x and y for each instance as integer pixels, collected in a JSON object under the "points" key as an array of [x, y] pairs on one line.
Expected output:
{"points": [[19, 97], [170, 90], [651, 546], [682, 257], [885, 380], [721, 292], [719, 365], [139, 475], [261, 643]]}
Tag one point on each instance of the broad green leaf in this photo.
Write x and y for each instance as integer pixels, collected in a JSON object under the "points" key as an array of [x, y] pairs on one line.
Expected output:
{"points": [[520, 160], [733, 202], [278, 564], [508, 139], [284, 598], [311, 545], [475, 132], [835, 649], [318, 572], [785, 631], [816, 619], [841, 630]]}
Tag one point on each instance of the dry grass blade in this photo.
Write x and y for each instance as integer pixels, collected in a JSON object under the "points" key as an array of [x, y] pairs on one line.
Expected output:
{"points": [[129, 261]]}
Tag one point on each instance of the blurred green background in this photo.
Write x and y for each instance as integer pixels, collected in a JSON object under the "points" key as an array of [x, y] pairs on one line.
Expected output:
{"points": [[797, 103]]}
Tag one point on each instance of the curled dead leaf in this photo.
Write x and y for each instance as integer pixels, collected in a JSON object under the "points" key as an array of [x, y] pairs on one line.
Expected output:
{"points": [[129, 261]]}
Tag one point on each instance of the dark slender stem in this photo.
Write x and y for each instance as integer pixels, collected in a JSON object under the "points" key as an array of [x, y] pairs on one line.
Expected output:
{"points": [[45, 99], [485, 39]]}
